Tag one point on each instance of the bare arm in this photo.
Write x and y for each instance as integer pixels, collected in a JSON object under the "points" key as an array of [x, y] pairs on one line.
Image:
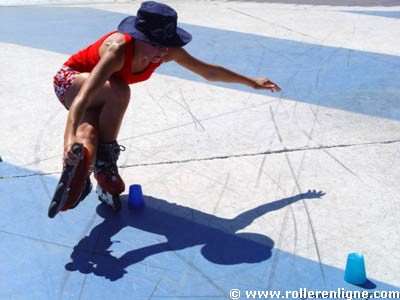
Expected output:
{"points": [[218, 73]]}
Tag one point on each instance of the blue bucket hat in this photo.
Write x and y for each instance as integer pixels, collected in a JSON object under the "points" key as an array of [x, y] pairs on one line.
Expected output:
{"points": [[156, 23]]}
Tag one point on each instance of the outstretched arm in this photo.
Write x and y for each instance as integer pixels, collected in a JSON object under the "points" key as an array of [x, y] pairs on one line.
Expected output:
{"points": [[246, 218], [217, 73]]}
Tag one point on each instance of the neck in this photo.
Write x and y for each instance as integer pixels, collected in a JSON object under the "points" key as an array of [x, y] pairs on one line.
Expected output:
{"points": [[140, 60]]}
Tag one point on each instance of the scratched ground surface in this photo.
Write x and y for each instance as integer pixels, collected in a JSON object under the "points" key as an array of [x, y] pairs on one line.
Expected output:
{"points": [[225, 170]]}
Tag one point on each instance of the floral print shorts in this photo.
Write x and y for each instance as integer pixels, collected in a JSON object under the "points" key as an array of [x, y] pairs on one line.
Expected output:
{"points": [[62, 81]]}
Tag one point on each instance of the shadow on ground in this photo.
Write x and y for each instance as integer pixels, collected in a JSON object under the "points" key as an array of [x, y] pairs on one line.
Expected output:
{"points": [[165, 250], [182, 228]]}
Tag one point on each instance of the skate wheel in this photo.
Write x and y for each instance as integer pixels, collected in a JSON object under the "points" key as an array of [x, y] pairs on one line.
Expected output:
{"points": [[53, 209], [113, 201], [116, 203]]}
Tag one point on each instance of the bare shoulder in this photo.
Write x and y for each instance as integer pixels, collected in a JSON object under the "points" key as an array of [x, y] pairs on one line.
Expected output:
{"points": [[115, 44], [116, 37]]}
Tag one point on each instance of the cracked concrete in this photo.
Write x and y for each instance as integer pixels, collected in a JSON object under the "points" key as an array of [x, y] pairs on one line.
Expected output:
{"points": [[243, 155], [212, 156]]}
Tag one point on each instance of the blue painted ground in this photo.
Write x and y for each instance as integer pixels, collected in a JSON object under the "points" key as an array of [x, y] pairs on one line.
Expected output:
{"points": [[334, 77], [385, 14], [164, 250], [168, 250]]}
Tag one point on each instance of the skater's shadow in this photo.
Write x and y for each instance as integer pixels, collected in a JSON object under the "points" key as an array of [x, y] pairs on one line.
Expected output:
{"points": [[182, 227]]}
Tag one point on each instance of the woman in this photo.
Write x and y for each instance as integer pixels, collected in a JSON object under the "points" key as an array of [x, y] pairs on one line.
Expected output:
{"points": [[94, 84]]}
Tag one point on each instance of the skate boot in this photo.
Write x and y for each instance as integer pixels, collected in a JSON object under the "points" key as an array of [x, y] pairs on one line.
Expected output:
{"points": [[74, 184], [86, 191], [109, 183]]}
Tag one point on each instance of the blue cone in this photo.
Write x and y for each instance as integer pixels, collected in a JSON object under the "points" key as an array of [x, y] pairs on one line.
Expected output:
{"points": [[355, 269], [135, 199]]}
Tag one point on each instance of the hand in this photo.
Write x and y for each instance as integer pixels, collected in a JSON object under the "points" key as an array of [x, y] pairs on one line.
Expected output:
{"points": [[70, 158], [265, 83], [310, 194]]}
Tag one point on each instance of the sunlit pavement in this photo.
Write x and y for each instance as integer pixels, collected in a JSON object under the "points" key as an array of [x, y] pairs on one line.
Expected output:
{"points": [[228, 173]]}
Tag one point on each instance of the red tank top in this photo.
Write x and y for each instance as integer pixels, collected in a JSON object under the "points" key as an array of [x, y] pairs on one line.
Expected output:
{"points": [[86, 59]]}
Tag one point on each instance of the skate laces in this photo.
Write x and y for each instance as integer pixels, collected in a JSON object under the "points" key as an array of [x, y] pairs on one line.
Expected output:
{"points": [[116, 151], [108, 157]]}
